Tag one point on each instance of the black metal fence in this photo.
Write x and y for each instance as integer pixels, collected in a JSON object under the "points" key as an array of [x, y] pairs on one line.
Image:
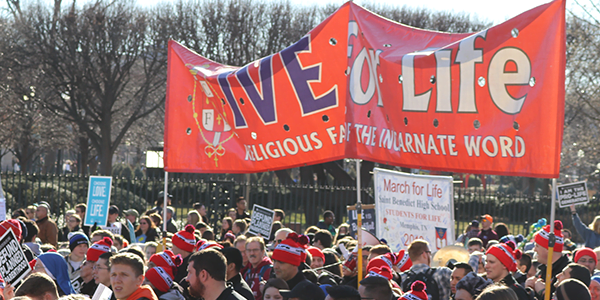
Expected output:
{"points": [[303, 205]]}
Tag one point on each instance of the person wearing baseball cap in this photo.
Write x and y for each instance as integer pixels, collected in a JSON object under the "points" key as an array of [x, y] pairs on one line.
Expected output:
{"points": [[132, 215], [304, 290], [287, 257], [501, 261], [559, 260], [487, 233]]}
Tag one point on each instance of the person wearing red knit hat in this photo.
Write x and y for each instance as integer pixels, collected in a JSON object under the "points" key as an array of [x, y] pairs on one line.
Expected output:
{"points": [[287, 256], [318, 258], [161, 281], [184, 242], [167, 260], [559, 261], [501, 261], [418, 291], [383, 271], [98, 248], [586, 257]]}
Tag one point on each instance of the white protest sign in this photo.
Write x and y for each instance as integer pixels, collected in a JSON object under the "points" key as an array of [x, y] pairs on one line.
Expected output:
{"points": [[102, 293], [261, 221], [410, 207], [572, 194], [13, 263]]}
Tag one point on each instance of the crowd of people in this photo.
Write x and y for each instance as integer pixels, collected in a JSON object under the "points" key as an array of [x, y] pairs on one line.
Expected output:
{"points": [[129, 257]]}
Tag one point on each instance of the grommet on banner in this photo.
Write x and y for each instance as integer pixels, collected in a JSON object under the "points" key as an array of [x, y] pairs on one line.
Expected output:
{"points": [[481, 81], [190, 98], [514, 32], [399, 78], [436, 123], [531, 81], [476, 124], [406, 121], [188, 131], [516, 125], [332, 41]]}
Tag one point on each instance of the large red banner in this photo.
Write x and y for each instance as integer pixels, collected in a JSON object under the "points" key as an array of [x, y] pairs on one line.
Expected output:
{"points": [[361, 86]]}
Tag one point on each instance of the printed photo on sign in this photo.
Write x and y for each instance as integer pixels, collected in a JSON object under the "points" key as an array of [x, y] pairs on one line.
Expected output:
{"points": [[410, 207]]}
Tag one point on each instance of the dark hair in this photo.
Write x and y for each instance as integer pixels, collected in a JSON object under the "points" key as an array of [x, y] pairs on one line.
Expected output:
{"points": [[233, 256], [212, 261], [497, 292], [380, 249], [279, 213], [330, 262], [343, 292], [276, 226], [475, 241], [572, 289], [277, 283], [208, 235], [18, 213], [138, 230], [416, 248], [103, 233], [324, 237], [107, 256], [129, 259], [312, 229], [32, 229], [501, 230], [327, 214], [580, 273], [464, 266], [241, 224], [36, 286], [197, 205], [201, 225], [81, 206], [137, 252], [230, 222], [525, 260], [239, 199], [377, 287], [156, 218]]}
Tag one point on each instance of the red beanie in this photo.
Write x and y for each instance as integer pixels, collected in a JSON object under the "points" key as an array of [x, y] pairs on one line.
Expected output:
{"points": [[13, 225], [160, 278], [583, 252], [290, 250], [304, 242], [384, 272], [380, 261], [417, 291], [316, 252], [506, 254], [185, 239], [541, 238], [403, 261], [167, 260], [98, 248], [204, 244]]}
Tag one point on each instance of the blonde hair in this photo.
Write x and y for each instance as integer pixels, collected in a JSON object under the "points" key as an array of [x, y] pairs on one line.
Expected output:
{"points": [[595, 225]]}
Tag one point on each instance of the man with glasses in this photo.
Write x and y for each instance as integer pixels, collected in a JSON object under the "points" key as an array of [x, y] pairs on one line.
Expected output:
{"points": [[101, 269], [437, 280], [280, 235], [261, 265]]}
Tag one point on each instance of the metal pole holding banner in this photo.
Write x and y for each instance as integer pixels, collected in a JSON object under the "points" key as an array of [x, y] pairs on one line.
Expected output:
{"points": [[165, 195], [551, 241], [359, 259]]}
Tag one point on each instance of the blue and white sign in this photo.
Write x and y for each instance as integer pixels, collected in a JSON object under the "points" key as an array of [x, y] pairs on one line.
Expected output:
{"points": [[98, 200]]}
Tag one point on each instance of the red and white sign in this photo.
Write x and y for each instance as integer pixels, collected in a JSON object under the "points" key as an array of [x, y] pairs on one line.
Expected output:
{"points": [[361, 86]]}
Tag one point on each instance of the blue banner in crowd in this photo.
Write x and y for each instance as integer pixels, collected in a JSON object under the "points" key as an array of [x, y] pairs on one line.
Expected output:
{"points": [[98, 200]]}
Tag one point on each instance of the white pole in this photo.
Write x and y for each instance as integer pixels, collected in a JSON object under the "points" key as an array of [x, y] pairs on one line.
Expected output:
{"points": [[166, 194], [551, 241]]}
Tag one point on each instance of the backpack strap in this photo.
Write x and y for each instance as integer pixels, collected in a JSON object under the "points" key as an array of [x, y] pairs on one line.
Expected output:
{"points": [[262, 272]]}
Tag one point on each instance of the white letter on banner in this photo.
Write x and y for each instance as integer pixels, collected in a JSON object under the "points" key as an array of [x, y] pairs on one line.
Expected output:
{"points": [[410, 101], [498, 78], [372, 58], [444, 77], [467, 57]]}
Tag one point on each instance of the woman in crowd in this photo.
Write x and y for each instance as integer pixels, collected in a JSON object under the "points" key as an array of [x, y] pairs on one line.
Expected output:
{"points": [[73, 224], [156, 219], [590, 233], [193, 217], [146, 231], [272, 288], [55, 266], [587, 258], [226, 226]]}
